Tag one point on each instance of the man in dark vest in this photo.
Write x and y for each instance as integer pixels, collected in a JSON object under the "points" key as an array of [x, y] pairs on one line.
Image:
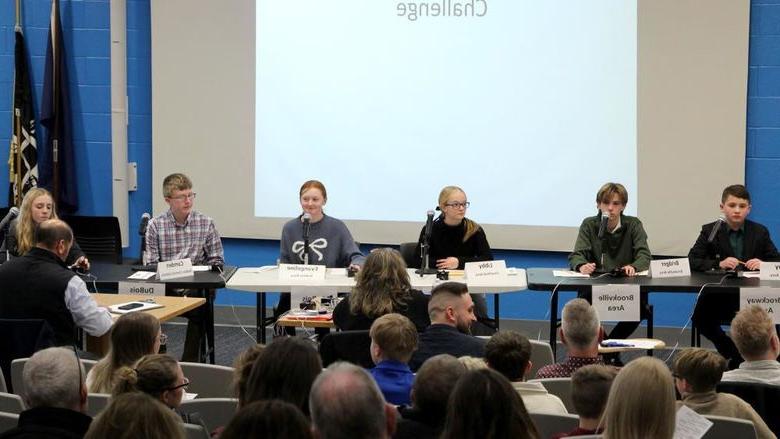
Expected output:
{"points": [[39, 285]]}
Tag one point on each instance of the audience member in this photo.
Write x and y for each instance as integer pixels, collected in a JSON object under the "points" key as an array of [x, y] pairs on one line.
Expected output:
{"points": [[55, 396], [472, 363], [589, 391], [641, 402], [242, 366], [37, 207], [483, 404], [431, 390], [182, 232], [132, 336], [268, 419], [754, 334], [136, 415], [393, 339], [285, 370], [509, 353], [381, 287], [347, 404], [39, 285], [581, 333], [157, 375], [696, 373], [452, 312]]}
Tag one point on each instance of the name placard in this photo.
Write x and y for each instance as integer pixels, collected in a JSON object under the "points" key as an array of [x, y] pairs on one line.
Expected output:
{"points": [[297, 272], [767, 298], [147, 289], [769, 271], [616, 303], [679, 267], [485, 273], [174, 269]]}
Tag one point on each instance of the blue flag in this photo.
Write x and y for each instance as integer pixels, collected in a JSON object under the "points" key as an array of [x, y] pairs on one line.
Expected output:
{"points": [[56, 170]]}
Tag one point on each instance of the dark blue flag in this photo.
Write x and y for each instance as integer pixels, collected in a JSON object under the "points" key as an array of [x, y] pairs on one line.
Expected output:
{"points": [[23, 157], [56, 169]]}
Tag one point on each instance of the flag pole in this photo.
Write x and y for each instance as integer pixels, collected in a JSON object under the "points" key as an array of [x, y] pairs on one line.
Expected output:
{"points": [[55, 24], [16, 147]]}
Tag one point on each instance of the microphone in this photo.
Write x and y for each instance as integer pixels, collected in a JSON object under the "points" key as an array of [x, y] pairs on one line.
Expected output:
{"points": [[715, 227], [429, 225], [603, 225], [306, 218], [144, 223], [12, 213]]}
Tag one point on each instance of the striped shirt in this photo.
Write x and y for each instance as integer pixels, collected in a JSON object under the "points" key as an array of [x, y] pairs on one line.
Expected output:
{"points": [[196, 239]]}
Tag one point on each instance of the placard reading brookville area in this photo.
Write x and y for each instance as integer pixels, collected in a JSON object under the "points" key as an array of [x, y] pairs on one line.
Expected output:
{"points": [[616, 303], [767, 298], [769, 271], [485, 273], [173, 269], [297, 272], [146, 289], [662, 268]]}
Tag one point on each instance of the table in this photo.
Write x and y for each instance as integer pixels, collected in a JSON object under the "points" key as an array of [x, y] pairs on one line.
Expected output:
{"points": [[323, 321], [172, 307], [542, 279], [107, 275], [266, 279]]}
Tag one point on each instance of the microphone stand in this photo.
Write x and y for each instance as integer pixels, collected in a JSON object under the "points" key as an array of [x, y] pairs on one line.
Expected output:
{"points": [[306, 250], [426, 268]]}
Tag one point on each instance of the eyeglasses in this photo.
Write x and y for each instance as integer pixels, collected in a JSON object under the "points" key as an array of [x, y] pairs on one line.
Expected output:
{"points": [[184, 385], [184, 197], [458, 205]]}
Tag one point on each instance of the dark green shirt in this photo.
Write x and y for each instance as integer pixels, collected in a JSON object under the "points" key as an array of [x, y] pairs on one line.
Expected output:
{"points": [[737, 241], [626, 246]]}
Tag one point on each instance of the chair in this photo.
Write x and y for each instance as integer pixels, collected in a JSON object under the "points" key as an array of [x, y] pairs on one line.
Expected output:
{"points": [[352, 346], [560, 387], [22, 338], [96, 402], [407, 252], [541, 355], [729, 428], [8, 421], [98, 236], [214, 412], [3, 385], [764, 398], [549, 424], [193, 431], [209, 380], [10, 403], [17, 382]]}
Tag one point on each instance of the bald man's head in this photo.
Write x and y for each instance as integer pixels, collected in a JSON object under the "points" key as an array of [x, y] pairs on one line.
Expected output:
{"points": [[54, 235]]}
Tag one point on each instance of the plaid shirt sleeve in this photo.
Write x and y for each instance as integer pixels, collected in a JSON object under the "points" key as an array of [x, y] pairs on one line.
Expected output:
{"points": [[212, 247]]}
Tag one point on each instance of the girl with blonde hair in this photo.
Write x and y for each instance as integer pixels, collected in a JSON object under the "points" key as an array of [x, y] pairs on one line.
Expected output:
{"points": [[455, 239], [132, 336], [641, 402], [37, 207], [159, 376], [382, 287]]}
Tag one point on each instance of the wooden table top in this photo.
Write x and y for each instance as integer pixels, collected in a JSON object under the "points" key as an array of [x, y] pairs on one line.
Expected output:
{"points": [[173, 306]]}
